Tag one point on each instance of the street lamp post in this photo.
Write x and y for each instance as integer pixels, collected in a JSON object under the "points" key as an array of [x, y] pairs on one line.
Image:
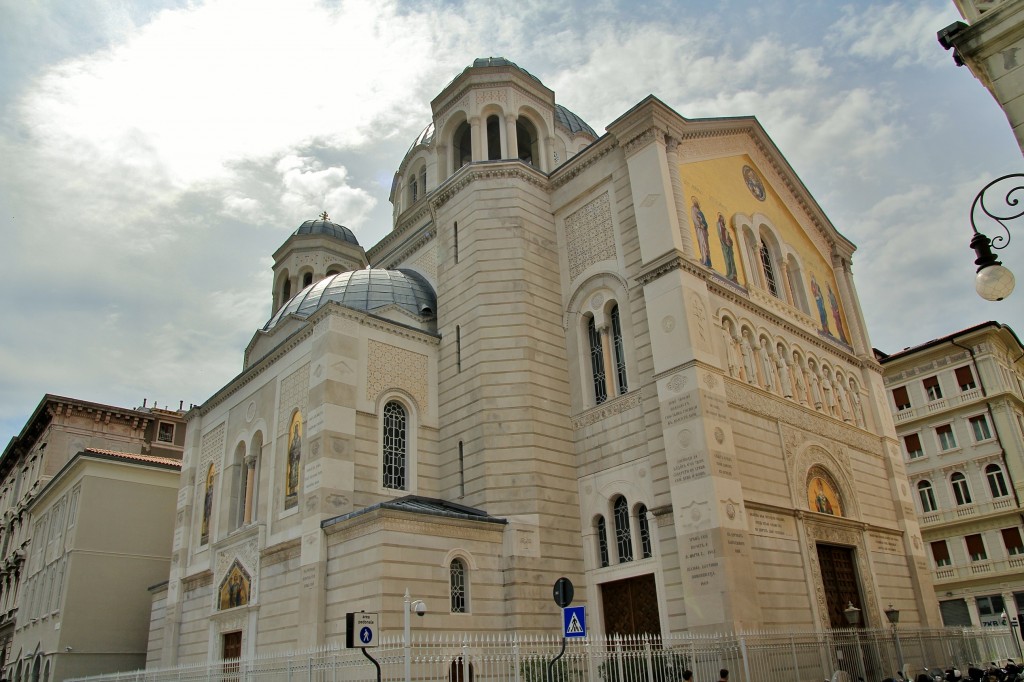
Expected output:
{"points": [[409, 606], [993, 281], [893, 614], [852, 614]]}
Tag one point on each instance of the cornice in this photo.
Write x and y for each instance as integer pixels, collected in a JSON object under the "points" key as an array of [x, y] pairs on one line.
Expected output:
{"points": [[424, 237], [582, 161], [454, 99], [489, 170], [196, 580], [282, 551]]}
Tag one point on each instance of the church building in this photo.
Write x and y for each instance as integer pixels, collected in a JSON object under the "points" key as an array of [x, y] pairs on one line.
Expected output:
{"points": [[636, 360]]}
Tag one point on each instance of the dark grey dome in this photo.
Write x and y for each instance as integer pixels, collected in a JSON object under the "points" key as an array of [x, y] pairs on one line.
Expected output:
{"points": [[366, 290], [571, 121], [326, 227]]}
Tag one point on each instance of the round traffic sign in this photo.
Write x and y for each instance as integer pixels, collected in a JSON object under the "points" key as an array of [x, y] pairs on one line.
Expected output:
{"points": [[563, 592]]}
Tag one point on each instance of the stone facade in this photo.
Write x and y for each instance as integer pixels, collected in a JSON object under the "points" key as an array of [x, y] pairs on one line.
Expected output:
{"points": [[645, 369], [958, 403]]}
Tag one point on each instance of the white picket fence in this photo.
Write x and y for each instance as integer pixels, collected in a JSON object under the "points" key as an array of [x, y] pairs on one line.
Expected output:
{"points": [[764, 656]]}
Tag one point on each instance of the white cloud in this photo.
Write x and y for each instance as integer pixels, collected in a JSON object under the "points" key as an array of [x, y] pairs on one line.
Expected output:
{"points": [[899, 33]]}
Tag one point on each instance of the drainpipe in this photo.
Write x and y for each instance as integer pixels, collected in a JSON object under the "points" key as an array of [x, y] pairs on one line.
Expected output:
{"points": [[995, 427]]}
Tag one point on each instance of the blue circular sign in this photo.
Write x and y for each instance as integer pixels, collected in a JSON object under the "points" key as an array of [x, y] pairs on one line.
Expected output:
{"points": [[365, 635]]}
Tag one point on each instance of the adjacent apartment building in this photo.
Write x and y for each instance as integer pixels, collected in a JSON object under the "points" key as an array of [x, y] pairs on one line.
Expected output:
{"points": [[958, 404], [39, 530]]}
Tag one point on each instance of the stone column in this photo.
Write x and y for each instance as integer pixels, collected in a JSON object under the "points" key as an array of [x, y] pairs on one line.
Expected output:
{"points": [[511, 136], [478, 153]]}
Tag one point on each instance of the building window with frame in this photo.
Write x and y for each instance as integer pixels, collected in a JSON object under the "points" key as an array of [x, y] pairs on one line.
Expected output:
{"points": [[932, 388], [965, 378], [457, 581], [979, 426], [165, 432], [620, 353], [645, 532], [395, 445], [947, 440], [769, 270], [623, 536], [901, 398], [912, 442], [602, 542], [976, 547], [597, 362], [961, 491], [927, 495], [940, 552], [1012, 541], [996, 481]]}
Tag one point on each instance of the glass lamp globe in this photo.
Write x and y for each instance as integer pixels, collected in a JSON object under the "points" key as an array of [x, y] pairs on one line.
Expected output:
{"points": [[994, 283]]}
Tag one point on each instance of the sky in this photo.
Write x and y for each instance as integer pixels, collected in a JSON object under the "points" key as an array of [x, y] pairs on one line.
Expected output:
{"points": [[153, 155]]}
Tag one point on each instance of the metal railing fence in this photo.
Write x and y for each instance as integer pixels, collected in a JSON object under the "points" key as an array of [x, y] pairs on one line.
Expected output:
{"points": [[758, 656]]}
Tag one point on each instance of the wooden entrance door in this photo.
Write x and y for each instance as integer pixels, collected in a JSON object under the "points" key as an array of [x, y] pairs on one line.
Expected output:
{"points": [[631, 606], [839, 579], [232, 651]]}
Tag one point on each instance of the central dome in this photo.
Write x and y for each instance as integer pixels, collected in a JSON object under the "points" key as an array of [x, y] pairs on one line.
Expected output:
{"points": [[367, 290]]}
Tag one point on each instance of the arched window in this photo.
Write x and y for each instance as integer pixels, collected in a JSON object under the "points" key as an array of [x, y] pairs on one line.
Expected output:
{"points": [[645, 532], [961, 491], [597, 362], [423, 181], [307, 279], [927, 495], [769, 270], [996, 482], [623, 537], [526, 136], [462, 143], [395, 441], [457, 582], [493, 138], [602, 542], [620, 354]]}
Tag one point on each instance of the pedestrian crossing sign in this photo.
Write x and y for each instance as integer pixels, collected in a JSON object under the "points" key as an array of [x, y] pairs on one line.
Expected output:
{"points": [[574, 621]]}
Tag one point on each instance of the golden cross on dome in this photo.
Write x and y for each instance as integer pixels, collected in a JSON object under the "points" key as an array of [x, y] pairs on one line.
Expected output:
{"points": [[323, 216]]}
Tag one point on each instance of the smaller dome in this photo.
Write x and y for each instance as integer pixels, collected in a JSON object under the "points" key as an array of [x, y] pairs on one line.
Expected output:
{"points": [[572, 122], [325, 227], [367, 290]]}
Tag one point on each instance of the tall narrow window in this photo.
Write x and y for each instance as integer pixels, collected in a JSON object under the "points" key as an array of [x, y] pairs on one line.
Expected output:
{"points": [[979, 425], [307, 279], [493, 138], [912, 442], [458, 348], [455, 241], [463, 145], [947, 441], [996, 482], [961, 492], [927, 495], [932, 388], [940, 552], [623, 537], [462, 472], [965, 378], [976, 547], [769, 270], [1012, 542], [526, 136], [620, 353], [457, 581], [414, 189], [394, 446], [602, 542], [597, 361], [645, 532], [901, 398]]}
